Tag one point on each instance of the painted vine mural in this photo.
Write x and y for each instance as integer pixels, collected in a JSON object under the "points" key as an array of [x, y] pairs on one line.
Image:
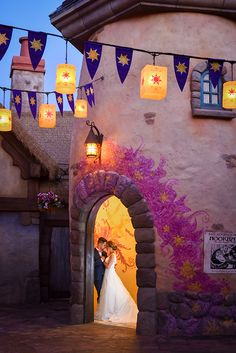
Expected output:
{"points": [[176, 224]]}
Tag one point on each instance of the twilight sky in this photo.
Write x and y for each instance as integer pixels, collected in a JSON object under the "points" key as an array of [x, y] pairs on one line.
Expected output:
{"points": [[27, 14]]}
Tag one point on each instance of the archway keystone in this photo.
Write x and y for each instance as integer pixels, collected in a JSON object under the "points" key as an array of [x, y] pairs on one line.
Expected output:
{"points": [[88, 196]]}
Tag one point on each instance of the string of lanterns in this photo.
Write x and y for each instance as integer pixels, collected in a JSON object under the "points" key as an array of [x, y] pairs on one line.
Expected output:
{"points": [[153, 83], [47, 112]]}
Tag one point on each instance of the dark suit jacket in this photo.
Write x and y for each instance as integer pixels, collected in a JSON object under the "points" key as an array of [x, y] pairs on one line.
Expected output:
{"points": [[99, 267]]}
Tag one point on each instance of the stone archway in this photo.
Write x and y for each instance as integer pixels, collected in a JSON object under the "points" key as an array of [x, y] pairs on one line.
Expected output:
{"points": [[91, 189]]}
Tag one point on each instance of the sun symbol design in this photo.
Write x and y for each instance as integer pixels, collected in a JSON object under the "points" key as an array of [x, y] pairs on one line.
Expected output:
{"points": [[49, 114], [156, 79], [3, 38], [215, 66], [123, 60], [36, 44], [17, 99], [181, 67], [66, 75], [92, 54], [59, 100], [232, 91], [32, 101]]}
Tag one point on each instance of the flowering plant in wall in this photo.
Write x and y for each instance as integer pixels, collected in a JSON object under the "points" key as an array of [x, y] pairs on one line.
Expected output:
{"points": [[49, 199]]}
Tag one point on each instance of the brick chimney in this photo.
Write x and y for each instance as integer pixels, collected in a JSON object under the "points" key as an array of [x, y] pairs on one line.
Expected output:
{"points": [[23, 76]]}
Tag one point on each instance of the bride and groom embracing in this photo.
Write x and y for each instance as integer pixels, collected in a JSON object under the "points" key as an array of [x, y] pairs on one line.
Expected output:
{"points": [[115, 304]]}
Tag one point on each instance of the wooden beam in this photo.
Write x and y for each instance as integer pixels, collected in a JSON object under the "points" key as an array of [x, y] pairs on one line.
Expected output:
{"points": [[15, 204]]}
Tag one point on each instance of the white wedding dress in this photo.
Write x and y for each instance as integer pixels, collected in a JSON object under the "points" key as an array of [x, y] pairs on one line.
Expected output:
{"points": [[116, 304]]}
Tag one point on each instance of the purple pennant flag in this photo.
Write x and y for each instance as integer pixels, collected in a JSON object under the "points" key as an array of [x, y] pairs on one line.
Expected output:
{"points": [[215, 69], [123, 61], [5, 38], [70, 99], [93, 53], [181, 66], [59, 98], [17, 101], [36, 43], [89, 91], [33, 103]]}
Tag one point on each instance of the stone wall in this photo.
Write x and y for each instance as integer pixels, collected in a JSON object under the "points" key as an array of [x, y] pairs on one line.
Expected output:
{"points": [[191, 314]]}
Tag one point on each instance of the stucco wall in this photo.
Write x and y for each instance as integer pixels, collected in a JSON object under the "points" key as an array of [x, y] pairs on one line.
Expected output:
{"points": [[11, 184], [19, 278], [192, 147]]}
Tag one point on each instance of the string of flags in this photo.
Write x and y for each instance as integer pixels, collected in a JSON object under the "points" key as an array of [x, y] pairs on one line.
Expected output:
{"points": [[32, 98], [123, 56]]}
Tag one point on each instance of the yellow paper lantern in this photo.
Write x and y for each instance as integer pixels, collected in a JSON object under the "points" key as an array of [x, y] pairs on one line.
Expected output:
{"points": [[81, 108], [229, 95], [153, 84], [5, 120], [47, 116], [66, 79]]}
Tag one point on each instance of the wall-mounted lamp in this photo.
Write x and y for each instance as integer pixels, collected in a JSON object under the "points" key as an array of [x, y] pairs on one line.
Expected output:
{"points": [[93, 142]]}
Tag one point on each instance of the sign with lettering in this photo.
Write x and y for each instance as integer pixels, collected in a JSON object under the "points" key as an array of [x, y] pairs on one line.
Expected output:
{"points": [[219, 252]]}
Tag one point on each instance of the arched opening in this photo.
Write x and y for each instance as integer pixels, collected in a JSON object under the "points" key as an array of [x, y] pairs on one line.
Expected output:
{"points": [[92, 190], [114, 223]]}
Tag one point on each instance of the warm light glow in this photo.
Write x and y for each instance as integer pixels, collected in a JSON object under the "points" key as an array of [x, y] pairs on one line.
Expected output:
{"points": [[5, 120], [81, 107], [92, 150], [47, 116], [153, 84], [229, 95], [66, 79]]}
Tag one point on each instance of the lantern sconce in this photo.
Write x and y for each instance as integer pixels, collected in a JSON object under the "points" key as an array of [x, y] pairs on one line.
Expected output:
{"points": [[229, 92], [93, 142]]}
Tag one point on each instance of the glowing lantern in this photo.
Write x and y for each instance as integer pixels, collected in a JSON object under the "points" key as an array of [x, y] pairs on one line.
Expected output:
{"points": [[93, 142], [81, 107], [5, 120], [153, 84], [47, 116], [66, 79], [229, 95]]}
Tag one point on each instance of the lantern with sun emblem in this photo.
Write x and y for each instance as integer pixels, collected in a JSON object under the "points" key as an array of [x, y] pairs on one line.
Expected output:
{"points": [[153, 84], [5, 120], [81, 108], [65, 79], [229, 95], [47, 116]]}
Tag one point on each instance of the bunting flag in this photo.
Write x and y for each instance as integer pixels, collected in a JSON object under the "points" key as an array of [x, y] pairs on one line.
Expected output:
{"points": [[5, 38], [89, 91], [93, 53], [215, 69], [17, 98], [33, 103], [123, 61], [70, 99], [181, 66], [36, 43], [59, 99]]}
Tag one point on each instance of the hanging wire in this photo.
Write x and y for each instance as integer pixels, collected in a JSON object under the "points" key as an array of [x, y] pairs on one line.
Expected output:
{"points": [[66, 50], [50, 92], [4, 91], [47, 96]]}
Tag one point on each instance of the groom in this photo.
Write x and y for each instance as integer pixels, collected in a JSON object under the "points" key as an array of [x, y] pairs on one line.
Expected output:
{"points": [[99, 268]]}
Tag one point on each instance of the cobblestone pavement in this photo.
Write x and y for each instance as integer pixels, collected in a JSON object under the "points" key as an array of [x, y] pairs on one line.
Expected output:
{"points": [[45, 329]]}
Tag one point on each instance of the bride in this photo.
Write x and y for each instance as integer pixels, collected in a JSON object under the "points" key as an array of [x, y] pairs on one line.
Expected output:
{"points": [[116, 304]]}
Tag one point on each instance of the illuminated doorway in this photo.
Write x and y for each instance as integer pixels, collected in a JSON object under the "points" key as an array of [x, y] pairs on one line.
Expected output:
{"points": [[113, 223]]}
